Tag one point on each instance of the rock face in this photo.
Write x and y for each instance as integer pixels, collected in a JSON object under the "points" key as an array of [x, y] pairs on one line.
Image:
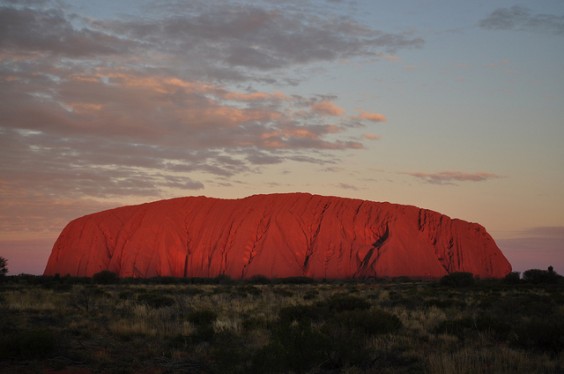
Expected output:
{"points": [[278, 235]]}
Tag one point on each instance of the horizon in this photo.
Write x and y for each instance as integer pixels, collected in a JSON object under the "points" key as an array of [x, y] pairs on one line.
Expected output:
{"points": [[443, 105]]}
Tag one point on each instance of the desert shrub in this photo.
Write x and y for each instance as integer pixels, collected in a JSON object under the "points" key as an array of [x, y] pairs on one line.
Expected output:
{"points": [[3, 268], [311, 294], [293, 347], [86, 297], [251, 323], [155, 300], [515, 306], [223, 279], [230, 354], [371, 322], [461, 327], [249, 291], [27, 344], [512, 278], [544, 334], [295, 280], [125, 295], [164, 280], [203, 321], [456, 327], [300, 313], [282, 292], [339, 303], [259, 279], [202, 317], [105, 277], [538, 276], [458, 279]]}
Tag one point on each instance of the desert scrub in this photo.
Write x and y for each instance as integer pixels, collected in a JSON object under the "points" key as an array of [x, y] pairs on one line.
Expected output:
{"points": [[489, 327], [27, 344]]}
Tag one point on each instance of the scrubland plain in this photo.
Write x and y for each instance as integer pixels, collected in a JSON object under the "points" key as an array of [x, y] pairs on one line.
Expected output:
{"points": [[167, 325]]}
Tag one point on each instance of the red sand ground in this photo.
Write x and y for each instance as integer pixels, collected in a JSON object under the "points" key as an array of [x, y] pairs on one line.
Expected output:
{"points": [[278, 235]]}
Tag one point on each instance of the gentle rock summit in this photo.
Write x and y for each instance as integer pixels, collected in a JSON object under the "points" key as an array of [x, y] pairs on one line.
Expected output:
{"points": [[277, 235]]}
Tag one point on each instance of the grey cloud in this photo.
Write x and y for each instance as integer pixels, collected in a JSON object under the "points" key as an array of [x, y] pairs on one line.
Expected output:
{"points": [[264, 38], [51, 31], [520, 18], [449, 177], [262, 158]]}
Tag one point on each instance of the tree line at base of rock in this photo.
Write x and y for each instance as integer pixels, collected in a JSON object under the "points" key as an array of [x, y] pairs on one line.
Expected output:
{"points": [[455, 279]]}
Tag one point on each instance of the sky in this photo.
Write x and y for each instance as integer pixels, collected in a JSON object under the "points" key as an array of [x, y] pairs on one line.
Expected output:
{"points": [[454, 106]]}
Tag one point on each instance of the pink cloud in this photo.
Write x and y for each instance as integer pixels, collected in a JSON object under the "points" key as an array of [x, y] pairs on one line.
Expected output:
{"points": [[328, 108], [373, 117], [370, 136]]}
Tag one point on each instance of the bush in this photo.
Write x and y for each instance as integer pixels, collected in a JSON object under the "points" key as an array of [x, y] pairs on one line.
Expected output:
{"points": [[513, 277], [339, 303], [545, 334], [296, 280], [259, 279], [458, 279], [300, 314], [105, 277], [3, 267], [30, 344], [292, 348], [538, 276], [370, 322], [156, 300], [202, 317]]}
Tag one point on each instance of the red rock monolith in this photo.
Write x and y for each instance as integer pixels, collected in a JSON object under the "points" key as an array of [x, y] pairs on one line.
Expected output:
{"points": [[277, 235]]}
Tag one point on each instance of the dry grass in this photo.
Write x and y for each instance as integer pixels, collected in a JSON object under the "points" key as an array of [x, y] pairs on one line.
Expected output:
{"points": [[236, 328]]}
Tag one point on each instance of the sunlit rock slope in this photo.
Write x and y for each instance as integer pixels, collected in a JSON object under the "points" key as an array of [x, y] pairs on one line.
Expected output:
{"points": [[277, 235]]}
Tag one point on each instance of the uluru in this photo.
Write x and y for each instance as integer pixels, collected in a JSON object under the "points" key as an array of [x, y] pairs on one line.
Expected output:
{"points": [[276, 236]]}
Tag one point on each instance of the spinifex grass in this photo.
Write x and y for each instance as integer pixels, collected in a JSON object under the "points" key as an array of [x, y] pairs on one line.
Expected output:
{"points": [[329, 327]]}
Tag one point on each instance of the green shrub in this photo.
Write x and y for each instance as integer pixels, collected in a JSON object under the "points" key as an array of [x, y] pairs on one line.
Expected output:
{"points": [[458, 279], [105, 277]]}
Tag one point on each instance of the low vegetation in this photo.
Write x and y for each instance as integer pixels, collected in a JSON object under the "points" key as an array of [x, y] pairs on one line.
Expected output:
{"points": [[166, 325]]}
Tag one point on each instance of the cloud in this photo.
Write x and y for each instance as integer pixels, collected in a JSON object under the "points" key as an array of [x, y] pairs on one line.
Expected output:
{"points": [[449, 177], [346, 186], [259, 37], [373, 117], [521, 18], [50, 31], [370, 136], [327, 108], [96, 111]]}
